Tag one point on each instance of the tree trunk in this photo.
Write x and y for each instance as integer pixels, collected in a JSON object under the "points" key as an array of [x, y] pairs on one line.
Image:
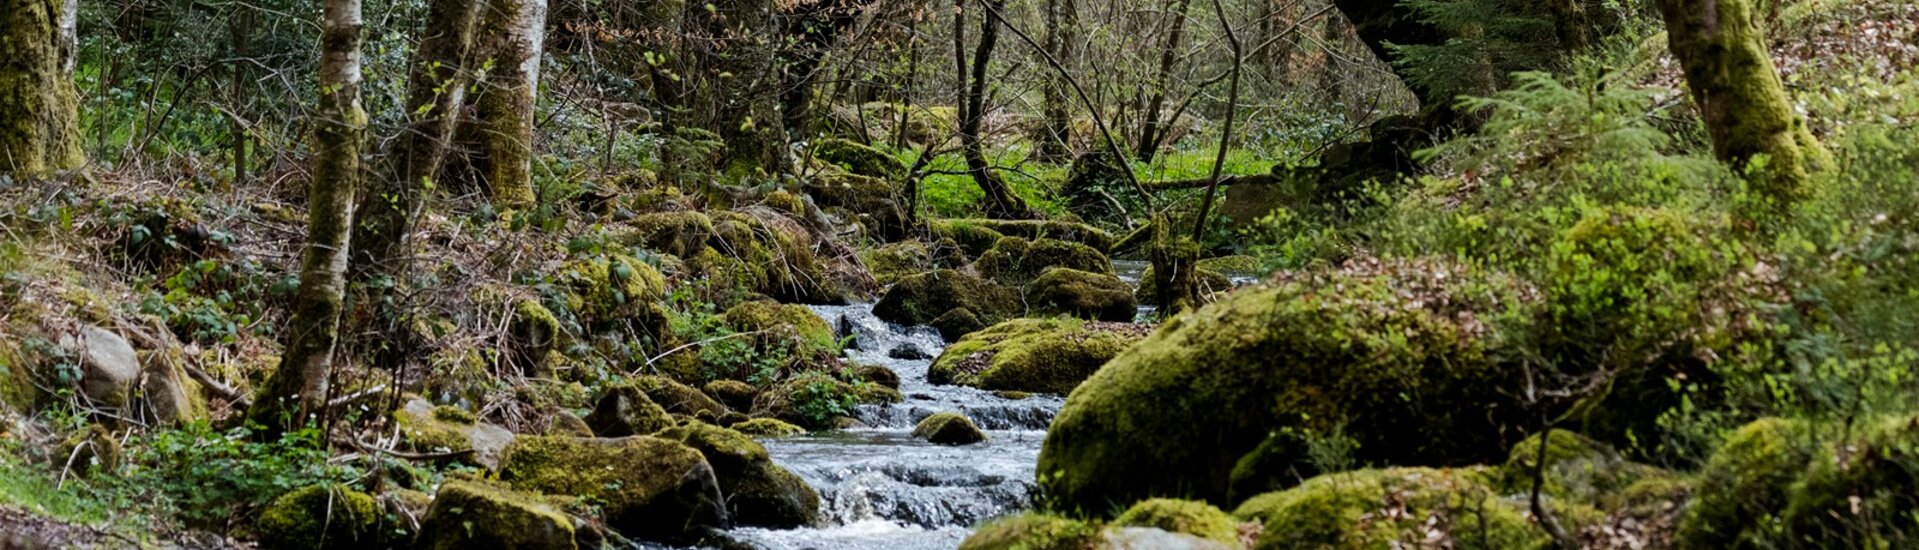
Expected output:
{"points": [[515, 38], [1151, 127], [39, 104], [1055, 130], [813, 27], [1000, 201], [734, 82], [297, 390], [1739, 96], [436, 89]]}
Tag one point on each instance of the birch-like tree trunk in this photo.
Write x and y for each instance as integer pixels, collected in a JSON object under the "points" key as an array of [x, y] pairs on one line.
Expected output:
{"points": [[1740, 98], [514, 43], [296, 393], [39, 105]]}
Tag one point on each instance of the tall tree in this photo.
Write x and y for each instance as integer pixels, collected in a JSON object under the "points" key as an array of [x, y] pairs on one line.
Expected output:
{"points": [[732, 81], [437, 82], [1739, 95], [297, 389], [39, 105], [1151, 128], [514, 44], [1055, 132], [1000, 200]]}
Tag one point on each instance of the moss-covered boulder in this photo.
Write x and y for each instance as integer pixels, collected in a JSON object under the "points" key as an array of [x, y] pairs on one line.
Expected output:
{"points": [[612, 287], [1015, 261], [875, 374], [1082, 294], [948, 428], [877, 203], [318, 517], [768, 427], [734, 394], [682, 234], [1744, 486], [1198, 519], [919, 299], [790, 329], [860, 158], [677, 398], [1033, 531], [891, 262], [467, 514], [1405, 356], [645, 487], [1034, 355], [1396, 506], [758, 492], [1782, 484], [817, 400], [979, 234], [1577, 469], [533, 333], [427, 428], [764, 251], [625, 409]]}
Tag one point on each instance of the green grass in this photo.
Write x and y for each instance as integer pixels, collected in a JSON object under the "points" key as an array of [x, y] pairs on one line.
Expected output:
{"points": [[949, 193], [25, 486]]}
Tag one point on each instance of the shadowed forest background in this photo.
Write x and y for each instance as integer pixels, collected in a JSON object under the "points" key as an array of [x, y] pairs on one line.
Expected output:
{"points": [[1042, 274]]}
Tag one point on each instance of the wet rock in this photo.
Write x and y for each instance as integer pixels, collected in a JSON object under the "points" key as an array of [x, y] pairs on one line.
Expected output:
{"points": [[467, 514], [320, 517], [625, 410], [758, 492], [768, 427], [957, 323], [430, 429], [647, 487], [908, 352], [949, 428], [734, 394], [875, 374], [1015, 262], [108, 366], [1034, 355], [919, 299], [1082, 294]]}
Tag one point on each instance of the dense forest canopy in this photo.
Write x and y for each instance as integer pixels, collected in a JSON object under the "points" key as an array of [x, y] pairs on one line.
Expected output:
{"points": [[1047, 274]]}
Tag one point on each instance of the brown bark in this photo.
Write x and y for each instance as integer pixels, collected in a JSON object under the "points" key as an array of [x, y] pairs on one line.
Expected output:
{"points": [[1055, 129], [297, 390], [39, 105], [1746, 109], [1000, 200], [1151, 128]]}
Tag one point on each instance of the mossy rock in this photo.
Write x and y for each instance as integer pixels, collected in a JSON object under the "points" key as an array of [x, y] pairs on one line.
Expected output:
{"points": [[919, 299], [758, 492], [1198, 519], [1032, 531], [533, 334], [467, 514], [734, 394], [567, 423], [1395, 353], [682, 234], [767, 252], [891, 262], [94, 450], [612, 287], [433, 429], [878, 375], [1861, 491], [677, 398], [1211, 285], [1578, 468], [816, 400], [973, 232], [957, 323], [768, 427], [876, 202], [860, 159], [1015, 261], [1380, 508], [645, 487], [972, 236], [1744, 487], [791, 328], [1082, 294], [624, 410], [318, 517], [1033, 355], [948, 428]]}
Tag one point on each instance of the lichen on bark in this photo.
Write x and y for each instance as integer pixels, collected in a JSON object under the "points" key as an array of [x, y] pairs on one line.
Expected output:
{"points": [[39, 106]]}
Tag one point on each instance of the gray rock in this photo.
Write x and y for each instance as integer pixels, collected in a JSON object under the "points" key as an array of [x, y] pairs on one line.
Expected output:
{"points": [[108, 366]]}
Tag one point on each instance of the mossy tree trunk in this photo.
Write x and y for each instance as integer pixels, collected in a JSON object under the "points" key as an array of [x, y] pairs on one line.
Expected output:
{"points": [[1739, 96], [1055, 133], [1173, 258], [39, 105], [437, 82], [513, 43], [1000, 200], [812, 27], [297, 389]]}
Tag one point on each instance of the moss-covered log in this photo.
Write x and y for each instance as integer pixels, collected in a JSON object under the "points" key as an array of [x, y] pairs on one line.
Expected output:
{"points": [[39, 107], [1739, 95], [298, 387]]}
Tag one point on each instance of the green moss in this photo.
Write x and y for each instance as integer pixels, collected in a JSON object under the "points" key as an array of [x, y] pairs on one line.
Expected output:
{"points": [[426, 428], [467, 514], [675, 397], [1861, 492], [1016, 261], [624, 410], [1745, 484], [1087, 295], [732, 393], [786, 202], [1198, 519], [892, 262], [1393, 353], [536, 333], [814, 400], [39, 105], [1034, 355], [727, 450], [683, 234], [793, 329], [972, 232], [768, 427], [1386, 507], [644, 486], [1034, 532], [763, 251], [860, 159], [758, 491], [1578, 469], [973, 237], [948, 428], [1211, 285], [319, 517], [919, 299], [614, 286]]}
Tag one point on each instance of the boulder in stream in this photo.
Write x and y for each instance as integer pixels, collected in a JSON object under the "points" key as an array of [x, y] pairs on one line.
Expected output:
{"points": [[471, 515], [949, 428], [1034, 355], [1082, 294], [758, 492], [922, 298], [646, 487]]}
